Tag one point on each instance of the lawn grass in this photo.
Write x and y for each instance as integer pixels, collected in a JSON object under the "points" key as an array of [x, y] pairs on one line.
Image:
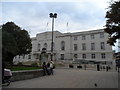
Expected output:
{"points": [[24, 68]]}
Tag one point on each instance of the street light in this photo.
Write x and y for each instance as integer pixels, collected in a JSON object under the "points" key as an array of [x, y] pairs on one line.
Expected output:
{"points": [[52, 16]]}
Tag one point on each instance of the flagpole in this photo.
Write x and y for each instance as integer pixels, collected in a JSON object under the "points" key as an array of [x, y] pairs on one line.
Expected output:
{"points": [[47, 26], [67, 27]]}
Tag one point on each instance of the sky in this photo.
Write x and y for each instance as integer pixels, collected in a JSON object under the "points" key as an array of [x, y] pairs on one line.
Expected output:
{"points": [[33, 16]]}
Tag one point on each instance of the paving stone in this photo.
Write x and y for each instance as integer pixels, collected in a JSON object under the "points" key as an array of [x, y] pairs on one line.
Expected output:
{"points": [[71, 78]]}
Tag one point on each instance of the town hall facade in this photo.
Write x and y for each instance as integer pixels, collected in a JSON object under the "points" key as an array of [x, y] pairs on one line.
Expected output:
{"points": [[86, 45]]}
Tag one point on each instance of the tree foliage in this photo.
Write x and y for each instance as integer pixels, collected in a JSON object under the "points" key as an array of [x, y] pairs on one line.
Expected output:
{"points": [[15, 41], [113, 22]]}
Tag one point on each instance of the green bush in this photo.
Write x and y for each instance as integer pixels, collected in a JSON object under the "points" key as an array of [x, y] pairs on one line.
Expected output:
{"points": [[34, 64], [19, 64], [20, 68]]}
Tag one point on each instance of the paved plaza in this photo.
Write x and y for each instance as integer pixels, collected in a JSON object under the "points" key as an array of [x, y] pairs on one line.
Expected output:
{"points": [[71, 78]]}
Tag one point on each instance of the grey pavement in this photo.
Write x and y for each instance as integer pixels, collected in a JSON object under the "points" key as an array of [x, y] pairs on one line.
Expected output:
{"points": [[71, 78]]}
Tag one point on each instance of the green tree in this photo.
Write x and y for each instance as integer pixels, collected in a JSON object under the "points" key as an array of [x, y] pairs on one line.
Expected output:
{"points": [[15, 41], [113, 22]]}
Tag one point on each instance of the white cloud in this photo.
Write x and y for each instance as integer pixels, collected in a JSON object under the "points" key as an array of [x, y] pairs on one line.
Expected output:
{"points": [[33, 16]]}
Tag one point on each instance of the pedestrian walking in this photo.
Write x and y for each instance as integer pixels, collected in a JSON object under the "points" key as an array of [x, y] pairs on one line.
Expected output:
{"points": [[44, 67], [51, 67], [107, 68]]}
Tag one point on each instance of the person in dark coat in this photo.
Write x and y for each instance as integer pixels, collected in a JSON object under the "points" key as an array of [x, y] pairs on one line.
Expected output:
{"points": [[107, 68], [98, 67], [44, 67], [48, 68]]}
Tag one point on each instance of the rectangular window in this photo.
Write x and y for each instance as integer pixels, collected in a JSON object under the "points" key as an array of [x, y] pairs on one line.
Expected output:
{"points": [[83, 37], [101, 35], [63, 48], [29, 56], [38, 47], [62, 56], [102, 44], [93, 56], [83, 46], [92, 46], [37, 56], [23, 56], [19, 56], [75, 56], [92, 36], [103, 56], [75, 47], [75, 38], [84, 56], [62, 45], [45, 45]]}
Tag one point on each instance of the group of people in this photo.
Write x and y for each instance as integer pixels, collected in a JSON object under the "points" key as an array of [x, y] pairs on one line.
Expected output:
{"points": [[48, 68]]}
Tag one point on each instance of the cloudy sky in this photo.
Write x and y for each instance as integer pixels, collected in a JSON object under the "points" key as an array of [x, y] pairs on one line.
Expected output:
{"points": [[33, 15]]}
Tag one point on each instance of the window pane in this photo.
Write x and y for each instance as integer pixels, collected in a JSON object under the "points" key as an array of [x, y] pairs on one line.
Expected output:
{"points": [[92, 36], [102, 46], [37, 56], [83, 56], [83, 46], [23, 56], [45, 45], [62, 56], [83, 37], [29, 56], [92, 46], [75, 55], [38, 47], [19, 56], [93, 56], [62, 45], [75, 37], [103, 56], [101, 35], [75, 47]]}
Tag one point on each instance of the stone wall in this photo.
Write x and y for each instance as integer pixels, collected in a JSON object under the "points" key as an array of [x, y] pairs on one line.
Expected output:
{"points": [[26, 74]]}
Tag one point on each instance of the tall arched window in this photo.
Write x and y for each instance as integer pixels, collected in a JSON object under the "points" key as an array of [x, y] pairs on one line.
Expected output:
{"points": [[45, 45], [38, 47], [62, 45]]}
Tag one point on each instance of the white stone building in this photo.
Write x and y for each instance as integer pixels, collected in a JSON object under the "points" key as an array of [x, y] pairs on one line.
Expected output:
{"points": [[87, 45]]}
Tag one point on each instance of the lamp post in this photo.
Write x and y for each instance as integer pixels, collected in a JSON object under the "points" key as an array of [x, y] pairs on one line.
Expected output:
{"points": [[52, 16]]}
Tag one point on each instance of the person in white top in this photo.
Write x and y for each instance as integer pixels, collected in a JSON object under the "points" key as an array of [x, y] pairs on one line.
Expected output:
{"points": [[51, 67]]}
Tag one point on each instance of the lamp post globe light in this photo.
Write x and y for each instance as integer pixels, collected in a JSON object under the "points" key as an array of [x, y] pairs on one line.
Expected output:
{"points": [[52, 16]]}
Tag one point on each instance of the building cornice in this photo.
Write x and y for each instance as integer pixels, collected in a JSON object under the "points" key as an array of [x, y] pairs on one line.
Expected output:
{"points": [[81, 33]]}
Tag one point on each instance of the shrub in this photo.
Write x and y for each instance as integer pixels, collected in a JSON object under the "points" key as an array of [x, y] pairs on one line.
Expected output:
{"points": [[34, 64], [19, 64]]}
